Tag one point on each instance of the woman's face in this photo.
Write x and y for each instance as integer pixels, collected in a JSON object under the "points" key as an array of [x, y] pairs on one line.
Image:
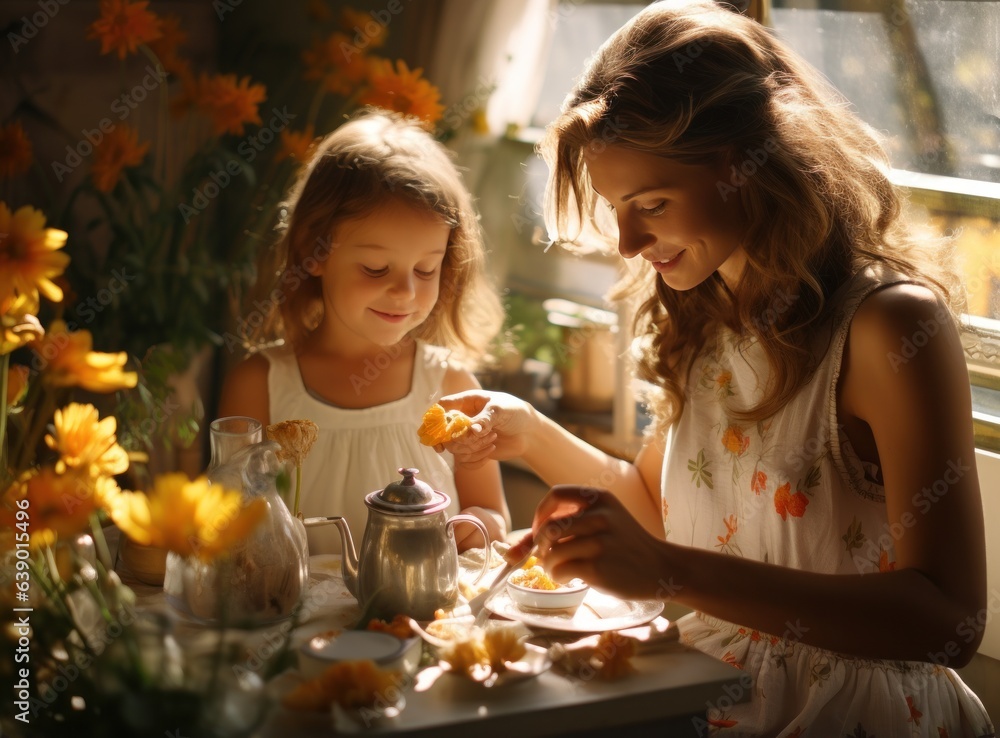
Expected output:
{"points": [[676, 216]]}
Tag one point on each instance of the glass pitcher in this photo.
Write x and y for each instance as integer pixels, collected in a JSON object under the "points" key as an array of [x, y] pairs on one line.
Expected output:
{"points": [[263, 577]]}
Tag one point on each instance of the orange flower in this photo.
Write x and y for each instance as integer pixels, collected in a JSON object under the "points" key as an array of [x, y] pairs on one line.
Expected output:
{"points": [[735, 440], [229, 102], [17, 383], [18, 324], [758, 482], [61, 504], [165, 47], [69, 362], [318, 11], [15, 150], [440, 425], [341, 66], [297, 145], [789, 504], [119, 149], [29, 254], [731, 527], [403, 90], [915, 714], [883, 561], [124, 25], [357, 21]]}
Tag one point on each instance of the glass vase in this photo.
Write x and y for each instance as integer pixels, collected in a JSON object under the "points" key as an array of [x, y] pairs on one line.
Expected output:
{"points": [[263, 577]]}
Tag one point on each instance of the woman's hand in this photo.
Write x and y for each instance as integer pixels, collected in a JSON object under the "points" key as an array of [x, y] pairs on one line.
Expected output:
{"points": [[501, 426], [587, 533]]}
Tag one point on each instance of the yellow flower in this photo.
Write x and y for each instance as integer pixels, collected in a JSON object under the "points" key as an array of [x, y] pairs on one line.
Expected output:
{"points": [[296, 438], [403, 90], [18, 324], [29, 253], [59, 505], [86, 444], [17, 383], [187, 517], [15, 150], [68, 362], [119, 149], [230, 103], [124, 25]]}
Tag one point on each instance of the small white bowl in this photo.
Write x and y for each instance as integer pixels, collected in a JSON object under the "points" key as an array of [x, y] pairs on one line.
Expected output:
{"points": [[387, 651], [566, 597]]}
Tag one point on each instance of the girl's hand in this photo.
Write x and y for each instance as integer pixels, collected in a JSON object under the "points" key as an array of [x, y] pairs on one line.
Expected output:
{"points": [[501, 425], [587, 533], [469, 536]]}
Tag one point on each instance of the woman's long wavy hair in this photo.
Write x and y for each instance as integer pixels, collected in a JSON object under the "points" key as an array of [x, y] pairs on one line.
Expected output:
{"points": [[700, 84], [371, 159]]}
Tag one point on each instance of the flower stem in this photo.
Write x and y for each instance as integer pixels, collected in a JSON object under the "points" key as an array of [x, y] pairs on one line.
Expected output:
{"points": [[298, 484], [4, 368]]}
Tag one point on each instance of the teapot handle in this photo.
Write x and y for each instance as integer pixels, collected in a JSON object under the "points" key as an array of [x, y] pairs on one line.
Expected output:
{"points": [[463, 518]]}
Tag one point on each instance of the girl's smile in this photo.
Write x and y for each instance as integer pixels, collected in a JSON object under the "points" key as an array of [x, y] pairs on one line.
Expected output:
{"points": [[382, 276]]}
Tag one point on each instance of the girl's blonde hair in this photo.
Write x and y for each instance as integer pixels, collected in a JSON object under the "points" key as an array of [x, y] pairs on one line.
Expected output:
{"points": [[701, 84], [373, 157]]}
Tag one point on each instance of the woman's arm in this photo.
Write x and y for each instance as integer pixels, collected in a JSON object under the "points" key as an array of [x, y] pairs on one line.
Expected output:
{"points": [[929, 607], [480, 489], [244, 391], [506, 427]]}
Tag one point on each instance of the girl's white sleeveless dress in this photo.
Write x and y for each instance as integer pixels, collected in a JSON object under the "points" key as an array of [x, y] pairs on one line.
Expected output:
{"points": [[358, 451], [791, 491]]}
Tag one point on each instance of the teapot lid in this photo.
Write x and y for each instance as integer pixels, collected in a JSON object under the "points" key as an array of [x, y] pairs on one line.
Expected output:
{"points": [[409, 495]]}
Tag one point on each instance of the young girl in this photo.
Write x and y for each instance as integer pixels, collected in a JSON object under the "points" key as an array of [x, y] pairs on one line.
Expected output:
{"points": [[385, 306], [810, 490]]}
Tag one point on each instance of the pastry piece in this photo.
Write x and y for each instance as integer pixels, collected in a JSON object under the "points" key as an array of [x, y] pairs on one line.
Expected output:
{"points": [[440, 425]]}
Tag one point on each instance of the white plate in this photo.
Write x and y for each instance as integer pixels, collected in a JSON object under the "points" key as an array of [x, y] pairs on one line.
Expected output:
{"points": [[597, 613], [534, 662]]}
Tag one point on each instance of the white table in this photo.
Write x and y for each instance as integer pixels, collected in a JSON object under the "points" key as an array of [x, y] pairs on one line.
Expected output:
{"points": [[667, 694]]}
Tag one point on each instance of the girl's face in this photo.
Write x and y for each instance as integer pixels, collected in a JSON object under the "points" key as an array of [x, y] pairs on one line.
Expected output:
{"points": [[673, 215], [381, 277]]}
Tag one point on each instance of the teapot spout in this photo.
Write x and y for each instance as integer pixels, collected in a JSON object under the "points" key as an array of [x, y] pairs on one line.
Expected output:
{"points": [[349, 558]]}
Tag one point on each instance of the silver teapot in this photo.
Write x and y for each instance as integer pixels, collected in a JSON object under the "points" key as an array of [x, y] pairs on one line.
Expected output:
{"points": [[408, 562]]}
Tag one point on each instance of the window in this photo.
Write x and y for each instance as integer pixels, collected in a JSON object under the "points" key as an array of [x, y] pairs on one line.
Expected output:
{"points": [[922, 72]]}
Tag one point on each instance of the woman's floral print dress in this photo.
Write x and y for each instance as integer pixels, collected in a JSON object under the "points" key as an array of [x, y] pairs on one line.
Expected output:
{"points": [[791, 491]]}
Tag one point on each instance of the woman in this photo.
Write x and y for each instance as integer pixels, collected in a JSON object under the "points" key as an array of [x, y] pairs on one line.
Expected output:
{"points": [[810, 486]]}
